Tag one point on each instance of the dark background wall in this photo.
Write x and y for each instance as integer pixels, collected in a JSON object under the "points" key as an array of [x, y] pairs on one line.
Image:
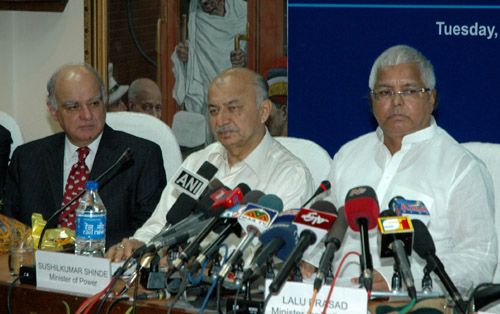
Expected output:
{"points": [[333, 44]]}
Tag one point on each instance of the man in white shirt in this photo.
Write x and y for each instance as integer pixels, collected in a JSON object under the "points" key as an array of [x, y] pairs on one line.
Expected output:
{"points": [[238, 106], [410, 156]]}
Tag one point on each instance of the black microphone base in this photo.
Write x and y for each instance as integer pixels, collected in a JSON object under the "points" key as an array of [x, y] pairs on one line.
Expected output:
{"points": [[244, 306]]}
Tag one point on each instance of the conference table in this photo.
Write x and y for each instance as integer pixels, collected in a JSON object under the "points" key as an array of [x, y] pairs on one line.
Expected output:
{"points": [[26, 298]]}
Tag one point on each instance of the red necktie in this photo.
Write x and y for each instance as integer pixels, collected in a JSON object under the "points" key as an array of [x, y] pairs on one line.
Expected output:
{"points": [[77, 178]]}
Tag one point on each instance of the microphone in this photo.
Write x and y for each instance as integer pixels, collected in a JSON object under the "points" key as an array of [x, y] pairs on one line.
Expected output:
{"points": [[231, 224], [423, 245], [312, 225], [176, 238], [279, 240], [412, 209], [212, 223], [101, 180], [192, 186], [395, 239], [323, 187], [361, 212], [254, 220], [333, 241]]}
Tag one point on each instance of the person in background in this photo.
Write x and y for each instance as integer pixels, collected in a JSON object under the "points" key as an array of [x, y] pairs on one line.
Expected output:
{"points": [[145, 96], [115, 92], [48, 173], [277, 80]]}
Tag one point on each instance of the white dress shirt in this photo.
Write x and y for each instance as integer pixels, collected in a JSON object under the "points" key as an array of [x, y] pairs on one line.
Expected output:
{"points": [[270, 168], [431, 167]]}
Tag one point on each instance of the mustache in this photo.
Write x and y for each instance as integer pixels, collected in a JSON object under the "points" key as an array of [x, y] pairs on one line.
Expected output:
{"points": [[224, 128]]}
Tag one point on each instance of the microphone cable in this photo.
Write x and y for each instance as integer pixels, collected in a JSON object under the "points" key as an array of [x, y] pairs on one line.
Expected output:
{"points": [[11, 287], [216, 278]]}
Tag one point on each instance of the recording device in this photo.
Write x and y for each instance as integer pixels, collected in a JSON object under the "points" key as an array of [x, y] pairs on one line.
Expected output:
{"points": [[101, 180], [333, 242], [323, 187], [361, 212], [254, 220], [423, 245], [312, 225], [395, 239]]}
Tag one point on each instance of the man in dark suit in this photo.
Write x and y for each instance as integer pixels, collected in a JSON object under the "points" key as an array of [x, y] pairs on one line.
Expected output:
{"points": [[5, 141], [39, 171]]}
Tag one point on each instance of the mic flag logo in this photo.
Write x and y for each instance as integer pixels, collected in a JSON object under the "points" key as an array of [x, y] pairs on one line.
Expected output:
{"points": [[190, 183], [314, 218], [407, 207], [390, 228], [395, 224], [357, 191], [257, 215]]}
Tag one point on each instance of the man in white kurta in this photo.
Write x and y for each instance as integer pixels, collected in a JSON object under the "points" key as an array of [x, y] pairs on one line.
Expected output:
{"points": [[212, 30], [410, 156], [245, 152]]}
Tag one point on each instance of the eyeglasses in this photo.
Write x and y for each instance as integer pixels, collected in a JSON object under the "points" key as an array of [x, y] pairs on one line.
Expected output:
{"points": [[407, 93]]}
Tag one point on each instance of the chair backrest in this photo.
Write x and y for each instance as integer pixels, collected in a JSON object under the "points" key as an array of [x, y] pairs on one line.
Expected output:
{"points": [[150, 128], [489, 153], [314, 156], [15, 131]]}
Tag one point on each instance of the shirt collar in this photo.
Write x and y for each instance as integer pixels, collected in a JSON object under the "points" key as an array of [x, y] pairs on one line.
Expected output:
{"points": [[255, 159], [419, 136], [70, 149]]}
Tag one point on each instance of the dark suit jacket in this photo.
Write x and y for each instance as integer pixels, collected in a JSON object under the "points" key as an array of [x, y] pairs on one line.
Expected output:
{"points": [[35, 181], [5, 142]]}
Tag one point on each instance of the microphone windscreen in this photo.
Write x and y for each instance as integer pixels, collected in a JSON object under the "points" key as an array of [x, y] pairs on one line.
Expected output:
{"points": [[422, 239], [178, 210], [214, 184], [361, 202], [207, 170], [252, 197], [286, 231], [325, 185], [271, 201], [339, 227], [325, 207], [244, 188]]}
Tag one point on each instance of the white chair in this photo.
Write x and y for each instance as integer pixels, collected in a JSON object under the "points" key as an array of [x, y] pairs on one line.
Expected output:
{"points": [[15, 131], [150, 128], [489, 153], [314, 156]]}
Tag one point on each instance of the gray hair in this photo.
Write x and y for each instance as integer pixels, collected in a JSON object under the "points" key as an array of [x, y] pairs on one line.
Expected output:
{"points": [[261, 87], [51, 84], [402, 54]]}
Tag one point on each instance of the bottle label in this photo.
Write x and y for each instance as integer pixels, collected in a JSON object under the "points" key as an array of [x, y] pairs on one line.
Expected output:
{"points": [[91, 227]]}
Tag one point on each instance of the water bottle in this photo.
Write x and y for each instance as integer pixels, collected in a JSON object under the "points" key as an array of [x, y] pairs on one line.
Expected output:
{"points": [[90, 223]]}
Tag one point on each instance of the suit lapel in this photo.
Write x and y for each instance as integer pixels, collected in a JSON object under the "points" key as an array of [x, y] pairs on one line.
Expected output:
{"points": [[107, 153], [53, 162]]}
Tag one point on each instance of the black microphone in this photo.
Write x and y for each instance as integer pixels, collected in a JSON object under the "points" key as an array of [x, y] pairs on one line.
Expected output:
{"points": [[361, 211], [101, 180], [423, 244], [312, 225], [333, 241], [393, 231], [323, 187], [176, 238]]}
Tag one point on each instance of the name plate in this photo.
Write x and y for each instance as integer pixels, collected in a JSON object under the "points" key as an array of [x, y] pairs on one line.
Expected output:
{"points": [[72, 273], [295, 297]]}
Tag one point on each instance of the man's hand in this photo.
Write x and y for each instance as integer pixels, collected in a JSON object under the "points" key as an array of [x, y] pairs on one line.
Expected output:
{"points": [[122, 250], [183, 51], [306, 269], [238, 59], [378, 282]]}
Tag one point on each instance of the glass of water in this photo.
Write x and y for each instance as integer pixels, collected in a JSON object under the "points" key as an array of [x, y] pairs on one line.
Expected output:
{"points": [[21, 252]]}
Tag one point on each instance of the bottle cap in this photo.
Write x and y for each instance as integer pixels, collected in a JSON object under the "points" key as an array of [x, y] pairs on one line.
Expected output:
{"points": [[91, 185]]}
